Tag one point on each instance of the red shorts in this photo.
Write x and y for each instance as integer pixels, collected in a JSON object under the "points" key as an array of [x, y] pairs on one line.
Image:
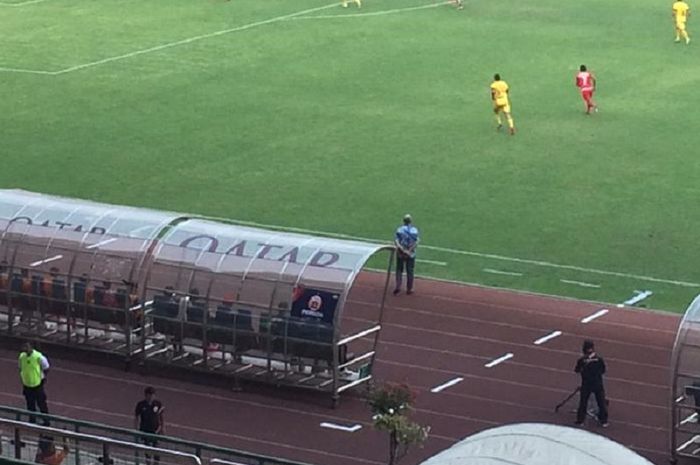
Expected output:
{"points": [[587, 94]]}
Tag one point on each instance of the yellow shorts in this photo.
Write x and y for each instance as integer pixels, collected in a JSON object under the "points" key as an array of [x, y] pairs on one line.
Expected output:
{"points": [[680, 25], [504, 108]]}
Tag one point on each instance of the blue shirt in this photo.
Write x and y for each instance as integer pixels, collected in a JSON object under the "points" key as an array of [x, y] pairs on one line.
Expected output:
{"points": [[407, 236]]}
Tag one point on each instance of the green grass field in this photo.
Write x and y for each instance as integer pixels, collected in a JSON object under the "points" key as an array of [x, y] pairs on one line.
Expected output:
{"points": [[251, 110]]}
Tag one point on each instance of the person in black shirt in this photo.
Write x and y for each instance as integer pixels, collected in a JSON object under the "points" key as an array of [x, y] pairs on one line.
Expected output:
{"points": [[149, 418], [592, 368]]}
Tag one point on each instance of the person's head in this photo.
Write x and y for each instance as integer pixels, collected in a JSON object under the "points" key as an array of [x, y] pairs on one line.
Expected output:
{"points": [[496, 77], [588, 347], [582, 67], [27, 347], [407, 219], [149, 393]]}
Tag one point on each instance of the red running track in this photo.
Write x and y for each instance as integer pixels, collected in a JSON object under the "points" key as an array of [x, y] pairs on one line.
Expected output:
{"points": [[442, 332]]}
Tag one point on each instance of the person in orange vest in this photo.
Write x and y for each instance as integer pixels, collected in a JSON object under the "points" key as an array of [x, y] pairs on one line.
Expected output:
{"points": [[33, 368]]}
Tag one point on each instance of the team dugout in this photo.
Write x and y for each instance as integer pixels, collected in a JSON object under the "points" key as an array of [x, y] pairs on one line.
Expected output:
{"points": [[167, 289], [685, 387]]}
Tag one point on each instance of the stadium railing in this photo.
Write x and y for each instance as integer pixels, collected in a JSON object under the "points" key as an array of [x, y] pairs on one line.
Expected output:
{"points": [[26, 438], [204, 452]]}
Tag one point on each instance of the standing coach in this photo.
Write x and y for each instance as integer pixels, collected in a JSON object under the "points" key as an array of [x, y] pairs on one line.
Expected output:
{"points": [[406, 242], [33, 367], [592, 368]]}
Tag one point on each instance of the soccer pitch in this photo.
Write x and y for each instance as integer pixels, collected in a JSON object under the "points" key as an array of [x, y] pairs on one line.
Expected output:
{"points": [[302, 114]]}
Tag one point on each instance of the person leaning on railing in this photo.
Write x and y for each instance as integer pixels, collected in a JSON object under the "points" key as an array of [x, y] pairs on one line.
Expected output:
{"points": [[47, 453]]}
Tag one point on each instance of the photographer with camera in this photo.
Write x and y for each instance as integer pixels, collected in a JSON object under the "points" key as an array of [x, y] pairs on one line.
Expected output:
{"points": [[592, 368]]}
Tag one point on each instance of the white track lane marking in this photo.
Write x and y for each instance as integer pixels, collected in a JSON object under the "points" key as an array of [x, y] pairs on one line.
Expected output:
{"points": [[347, 429], [597, 314], [548, 337], [502, 359], [507, 273], [580, 283], [444, 386]]}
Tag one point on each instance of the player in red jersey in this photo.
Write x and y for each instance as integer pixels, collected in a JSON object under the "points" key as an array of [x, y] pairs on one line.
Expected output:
{"points": [[585, 81]]}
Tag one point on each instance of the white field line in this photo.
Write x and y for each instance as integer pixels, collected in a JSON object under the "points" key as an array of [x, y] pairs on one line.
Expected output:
{"points": [[444, 386], [504, 258], [597, 314], [580, 283], [172, 44], [548, 337], [431, 262], [46, 260], [26, 71], [194, 39], [27, 2], [507, 273], [375, 13], [502, 359], [347, 429]]}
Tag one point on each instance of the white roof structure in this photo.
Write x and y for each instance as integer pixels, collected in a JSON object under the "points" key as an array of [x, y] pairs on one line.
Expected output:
{"points": [[536, 444]]}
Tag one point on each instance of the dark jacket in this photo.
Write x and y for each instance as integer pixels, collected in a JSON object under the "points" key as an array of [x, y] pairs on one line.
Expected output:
{"points": [[592, 369]]}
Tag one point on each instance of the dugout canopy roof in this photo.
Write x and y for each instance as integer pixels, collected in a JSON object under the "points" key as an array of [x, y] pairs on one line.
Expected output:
{"points": [[113, 243], [536, 444], [686, 350]]}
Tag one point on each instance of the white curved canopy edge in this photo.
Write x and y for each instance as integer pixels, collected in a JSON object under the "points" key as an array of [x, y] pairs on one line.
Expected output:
{"points": [[536, 444]]}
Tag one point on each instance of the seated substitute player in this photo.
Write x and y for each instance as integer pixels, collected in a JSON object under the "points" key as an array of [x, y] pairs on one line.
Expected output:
{"points": [[681, 12], [585, 81], [357, 2], [501, 102]]}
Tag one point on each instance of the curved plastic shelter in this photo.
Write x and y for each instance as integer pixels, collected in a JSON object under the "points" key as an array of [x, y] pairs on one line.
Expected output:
{"points": [[685, 386], [536, 444], [178, 290]]}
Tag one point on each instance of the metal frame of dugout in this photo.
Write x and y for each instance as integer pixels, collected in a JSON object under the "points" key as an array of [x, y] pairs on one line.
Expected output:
{"points": [[685, 387], [165, 289]]}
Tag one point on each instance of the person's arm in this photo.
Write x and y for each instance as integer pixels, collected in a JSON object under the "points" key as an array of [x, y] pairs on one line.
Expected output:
{"points": [[44, 363], [579, 365], [137, 416], [161, 421], [602, 366]]}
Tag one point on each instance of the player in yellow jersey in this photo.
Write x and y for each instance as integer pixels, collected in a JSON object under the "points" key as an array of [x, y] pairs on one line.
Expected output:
{"points": [[501, 102], [681, 12], [357, 2]]}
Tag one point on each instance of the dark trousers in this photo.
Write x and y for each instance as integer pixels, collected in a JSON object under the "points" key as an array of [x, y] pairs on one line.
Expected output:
{"points": [[36, 396], [407, 263], [599, 394], [151, 443]]}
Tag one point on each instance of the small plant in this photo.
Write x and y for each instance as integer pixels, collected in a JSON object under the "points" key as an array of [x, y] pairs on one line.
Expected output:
{"points": [[391, 404]]}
